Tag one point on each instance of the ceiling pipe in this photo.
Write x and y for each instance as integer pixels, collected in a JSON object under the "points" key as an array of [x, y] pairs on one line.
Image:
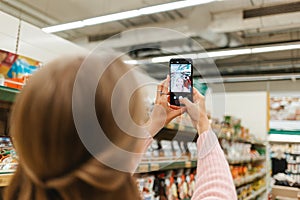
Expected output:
{"points": [[252, 78], [198, 23], [24, 8]]}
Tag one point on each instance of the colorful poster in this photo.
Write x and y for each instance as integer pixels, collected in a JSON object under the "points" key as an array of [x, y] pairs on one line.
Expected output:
{"points": [[16, 69]]}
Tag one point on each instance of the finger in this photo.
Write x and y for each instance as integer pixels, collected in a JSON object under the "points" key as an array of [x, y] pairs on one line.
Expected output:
{"points": [[197, 96], [166, 85], [158, 93], [164, 100], [158, 90]]}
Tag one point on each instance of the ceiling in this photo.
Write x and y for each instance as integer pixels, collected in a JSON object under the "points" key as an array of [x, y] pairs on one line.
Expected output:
{"points": [[220, 25]]}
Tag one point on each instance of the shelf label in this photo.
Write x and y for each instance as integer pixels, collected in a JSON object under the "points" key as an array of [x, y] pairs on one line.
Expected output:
{"points": [[154, 167], [4, 181], [143, 168], [188, 164]]}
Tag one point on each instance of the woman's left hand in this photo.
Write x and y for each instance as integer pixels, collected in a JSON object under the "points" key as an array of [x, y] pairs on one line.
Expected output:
{"points": [[162, 112]]}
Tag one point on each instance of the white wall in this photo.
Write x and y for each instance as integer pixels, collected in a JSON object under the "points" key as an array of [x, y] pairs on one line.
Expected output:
{"points": [[250, 107], [34, 43], [283, 86]]}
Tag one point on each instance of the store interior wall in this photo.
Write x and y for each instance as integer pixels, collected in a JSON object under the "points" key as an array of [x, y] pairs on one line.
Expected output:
{"points": [[32, 41], [250, 107]]}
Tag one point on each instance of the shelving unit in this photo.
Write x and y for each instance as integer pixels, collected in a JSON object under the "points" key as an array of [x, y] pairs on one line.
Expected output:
{"points": [[290, 155], [252, 160], [242, 183], [165, 165]]}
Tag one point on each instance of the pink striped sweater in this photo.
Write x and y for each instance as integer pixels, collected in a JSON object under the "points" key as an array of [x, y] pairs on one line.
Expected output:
{"points": [[214, 180]]}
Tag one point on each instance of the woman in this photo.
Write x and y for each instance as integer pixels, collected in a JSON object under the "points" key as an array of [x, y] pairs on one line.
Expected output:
{"points": [[55, 165]]}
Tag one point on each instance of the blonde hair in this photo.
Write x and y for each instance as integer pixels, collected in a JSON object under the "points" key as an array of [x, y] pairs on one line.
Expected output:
{"points": [[53, 162]]}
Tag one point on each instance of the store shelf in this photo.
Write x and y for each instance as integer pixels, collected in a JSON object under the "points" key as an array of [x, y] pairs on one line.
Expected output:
{"points": [[234, 162], [293, 163], [291, 137], [295, 154], [165, 165], [259, 143], [292, 172], [8, 94], [256, 193], [248, 179]]}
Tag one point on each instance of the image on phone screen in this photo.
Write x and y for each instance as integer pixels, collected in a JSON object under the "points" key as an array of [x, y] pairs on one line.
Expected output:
{"points": [[181, 84]]}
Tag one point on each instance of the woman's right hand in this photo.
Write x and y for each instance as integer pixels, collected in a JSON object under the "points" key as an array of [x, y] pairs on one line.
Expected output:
{"points": [[197, 111]]}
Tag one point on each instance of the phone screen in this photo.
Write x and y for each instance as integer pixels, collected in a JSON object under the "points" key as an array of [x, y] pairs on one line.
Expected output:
{"points": [[181, 80]]}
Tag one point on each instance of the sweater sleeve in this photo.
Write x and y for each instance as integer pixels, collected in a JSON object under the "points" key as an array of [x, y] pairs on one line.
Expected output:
{"points": [[213, 180]]}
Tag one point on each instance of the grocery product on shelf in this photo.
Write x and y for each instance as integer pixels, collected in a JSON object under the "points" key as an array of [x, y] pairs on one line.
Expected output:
{"points": [[8, 157], [167, 185], [238, 152], [231, 128], [166, 150], [16, 69], [251, 190]]}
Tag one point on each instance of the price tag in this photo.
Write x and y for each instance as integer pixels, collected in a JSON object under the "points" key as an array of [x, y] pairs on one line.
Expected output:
{"points": [[188, 164], [143, 168], [154, 167], [4, 180]]}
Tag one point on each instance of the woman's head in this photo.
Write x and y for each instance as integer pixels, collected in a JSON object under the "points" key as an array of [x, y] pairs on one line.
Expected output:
{"points": [[52, 156]]}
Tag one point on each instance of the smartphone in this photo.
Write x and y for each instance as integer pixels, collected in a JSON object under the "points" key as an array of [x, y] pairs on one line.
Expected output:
{"points": [[181, 80]]}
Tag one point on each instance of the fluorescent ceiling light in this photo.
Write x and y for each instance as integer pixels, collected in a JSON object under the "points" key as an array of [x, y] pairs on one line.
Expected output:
{"points": [[250, 78], [131, 62], [172, 6], [63, 27], [162, 59], [234, 52], [275, 48], [224, 53], [111, 17], [125, 15]]}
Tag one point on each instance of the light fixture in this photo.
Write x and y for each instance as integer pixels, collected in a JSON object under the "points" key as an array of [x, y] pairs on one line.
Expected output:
{"points": [[172, 6], [223, 53], [125, 15], [275, 48], [63, 27], [236, 79], [234, 52], [111, 17]]}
